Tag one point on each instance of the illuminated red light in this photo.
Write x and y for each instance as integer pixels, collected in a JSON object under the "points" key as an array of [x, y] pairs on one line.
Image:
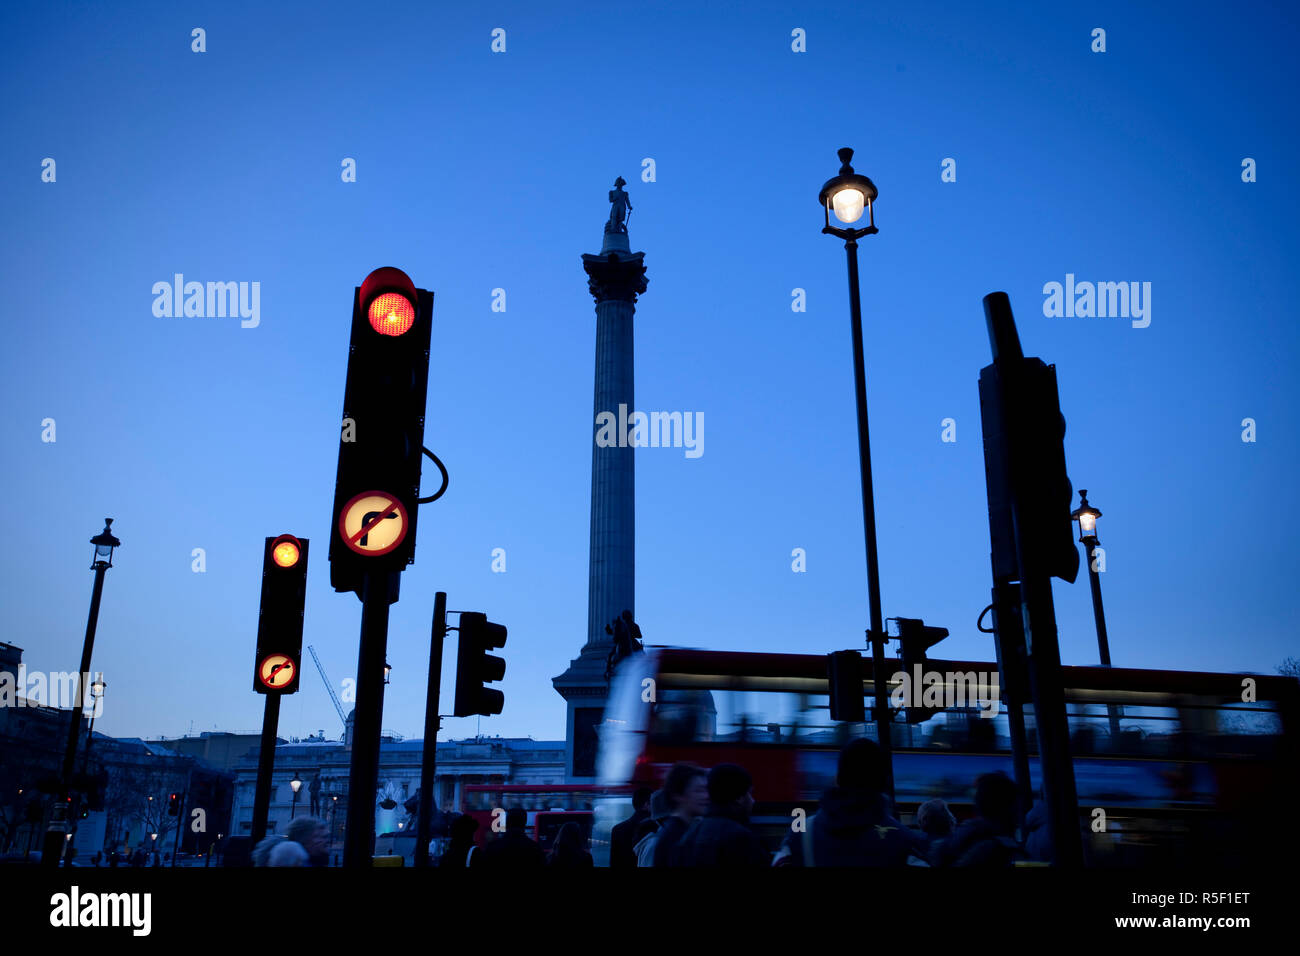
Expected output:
{"points": [[285, 552], [391, 313]]}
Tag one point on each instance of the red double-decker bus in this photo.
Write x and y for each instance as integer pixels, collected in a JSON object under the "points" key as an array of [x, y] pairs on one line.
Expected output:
{"points": [[549, 807], [1186, 766]]}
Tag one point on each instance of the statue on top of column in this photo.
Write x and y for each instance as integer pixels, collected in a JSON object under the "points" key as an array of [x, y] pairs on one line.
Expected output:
{"points": [[622, 206]]}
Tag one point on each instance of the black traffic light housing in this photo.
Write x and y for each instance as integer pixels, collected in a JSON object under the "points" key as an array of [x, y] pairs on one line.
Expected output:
{"points": [[915, 637], [1024, 456], [844, 676], [173, 804], [277, 666], [475, 667], [381, 438]]}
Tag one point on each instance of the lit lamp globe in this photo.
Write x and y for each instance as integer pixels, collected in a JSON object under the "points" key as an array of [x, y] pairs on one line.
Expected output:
{"points": [[1087, 517], [296, 783], [104, 543], [848, 195]]}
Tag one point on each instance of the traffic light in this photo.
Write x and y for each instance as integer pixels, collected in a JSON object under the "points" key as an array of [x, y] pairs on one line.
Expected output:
{"points": [[377, 487], [279, 618], [915, 637], [173, 805], [1037, 462], [1024, 457], [475, 667], [844, 675]]}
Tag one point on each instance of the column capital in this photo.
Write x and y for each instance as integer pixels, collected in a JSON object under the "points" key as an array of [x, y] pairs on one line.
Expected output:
{"points": [[615, 276]]}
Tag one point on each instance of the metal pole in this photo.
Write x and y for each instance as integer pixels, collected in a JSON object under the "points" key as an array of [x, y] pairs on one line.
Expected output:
{"points": [[363, 777], [54, 840], [265, 767], [180, 818], [1050, 721], [1008, 626], [876, 635], [429, 757], [1103, 643]]}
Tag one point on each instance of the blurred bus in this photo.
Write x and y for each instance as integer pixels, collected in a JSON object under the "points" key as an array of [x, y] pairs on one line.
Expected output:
{"points": [[1194, 774], [549, 807]]}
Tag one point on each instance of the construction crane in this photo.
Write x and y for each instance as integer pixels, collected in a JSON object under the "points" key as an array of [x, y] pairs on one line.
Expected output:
{"points": [[329, 687], [338, 706]]}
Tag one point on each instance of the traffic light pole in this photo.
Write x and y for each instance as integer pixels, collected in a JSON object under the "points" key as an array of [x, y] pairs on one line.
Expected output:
{"points": [[1008, 632], [876, 635], [1015, 395], [363, 778], [429, 757], [265, 767], [1050, 721]]}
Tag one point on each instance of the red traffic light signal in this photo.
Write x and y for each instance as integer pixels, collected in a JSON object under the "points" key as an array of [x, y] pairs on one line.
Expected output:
{"points": [[389, 298], [286, 551], [173, 804]]}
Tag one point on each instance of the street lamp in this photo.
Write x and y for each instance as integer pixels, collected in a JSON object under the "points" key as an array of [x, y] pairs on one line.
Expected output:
{"points": [[296, 784], [334, 813], [1086, 515], [388, 669], [97, 695], [847, 195], [102, 560]]}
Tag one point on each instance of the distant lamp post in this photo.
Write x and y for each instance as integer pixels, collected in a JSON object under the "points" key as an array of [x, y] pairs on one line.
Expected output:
{"points": [[848, 195], [97, 695], [1086, 515], [334, 814], [102, 560], [296, 784], [388, 669]]}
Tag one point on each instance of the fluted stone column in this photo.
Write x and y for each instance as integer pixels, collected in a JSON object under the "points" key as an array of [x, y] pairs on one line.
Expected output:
{"points": [[615, 278]]}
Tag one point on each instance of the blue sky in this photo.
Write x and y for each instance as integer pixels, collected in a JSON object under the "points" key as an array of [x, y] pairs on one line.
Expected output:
{"points": [[479, 170]]}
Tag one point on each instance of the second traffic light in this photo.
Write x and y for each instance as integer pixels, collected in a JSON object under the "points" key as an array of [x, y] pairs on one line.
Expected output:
{"points": [[915, 637], [844, 677], [174, 805], [475, 667], [279, 617], [377, 488]]}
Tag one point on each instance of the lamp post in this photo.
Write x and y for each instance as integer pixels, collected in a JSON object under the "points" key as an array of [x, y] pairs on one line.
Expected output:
{"points": [[296, 785], [1086, 515], [334, 820], [388, 669], [97, 695], [848, 195], [104, 543]]}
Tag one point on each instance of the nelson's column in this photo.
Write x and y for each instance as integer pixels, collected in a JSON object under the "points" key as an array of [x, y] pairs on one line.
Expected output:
{"points": [[615, 277]]}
